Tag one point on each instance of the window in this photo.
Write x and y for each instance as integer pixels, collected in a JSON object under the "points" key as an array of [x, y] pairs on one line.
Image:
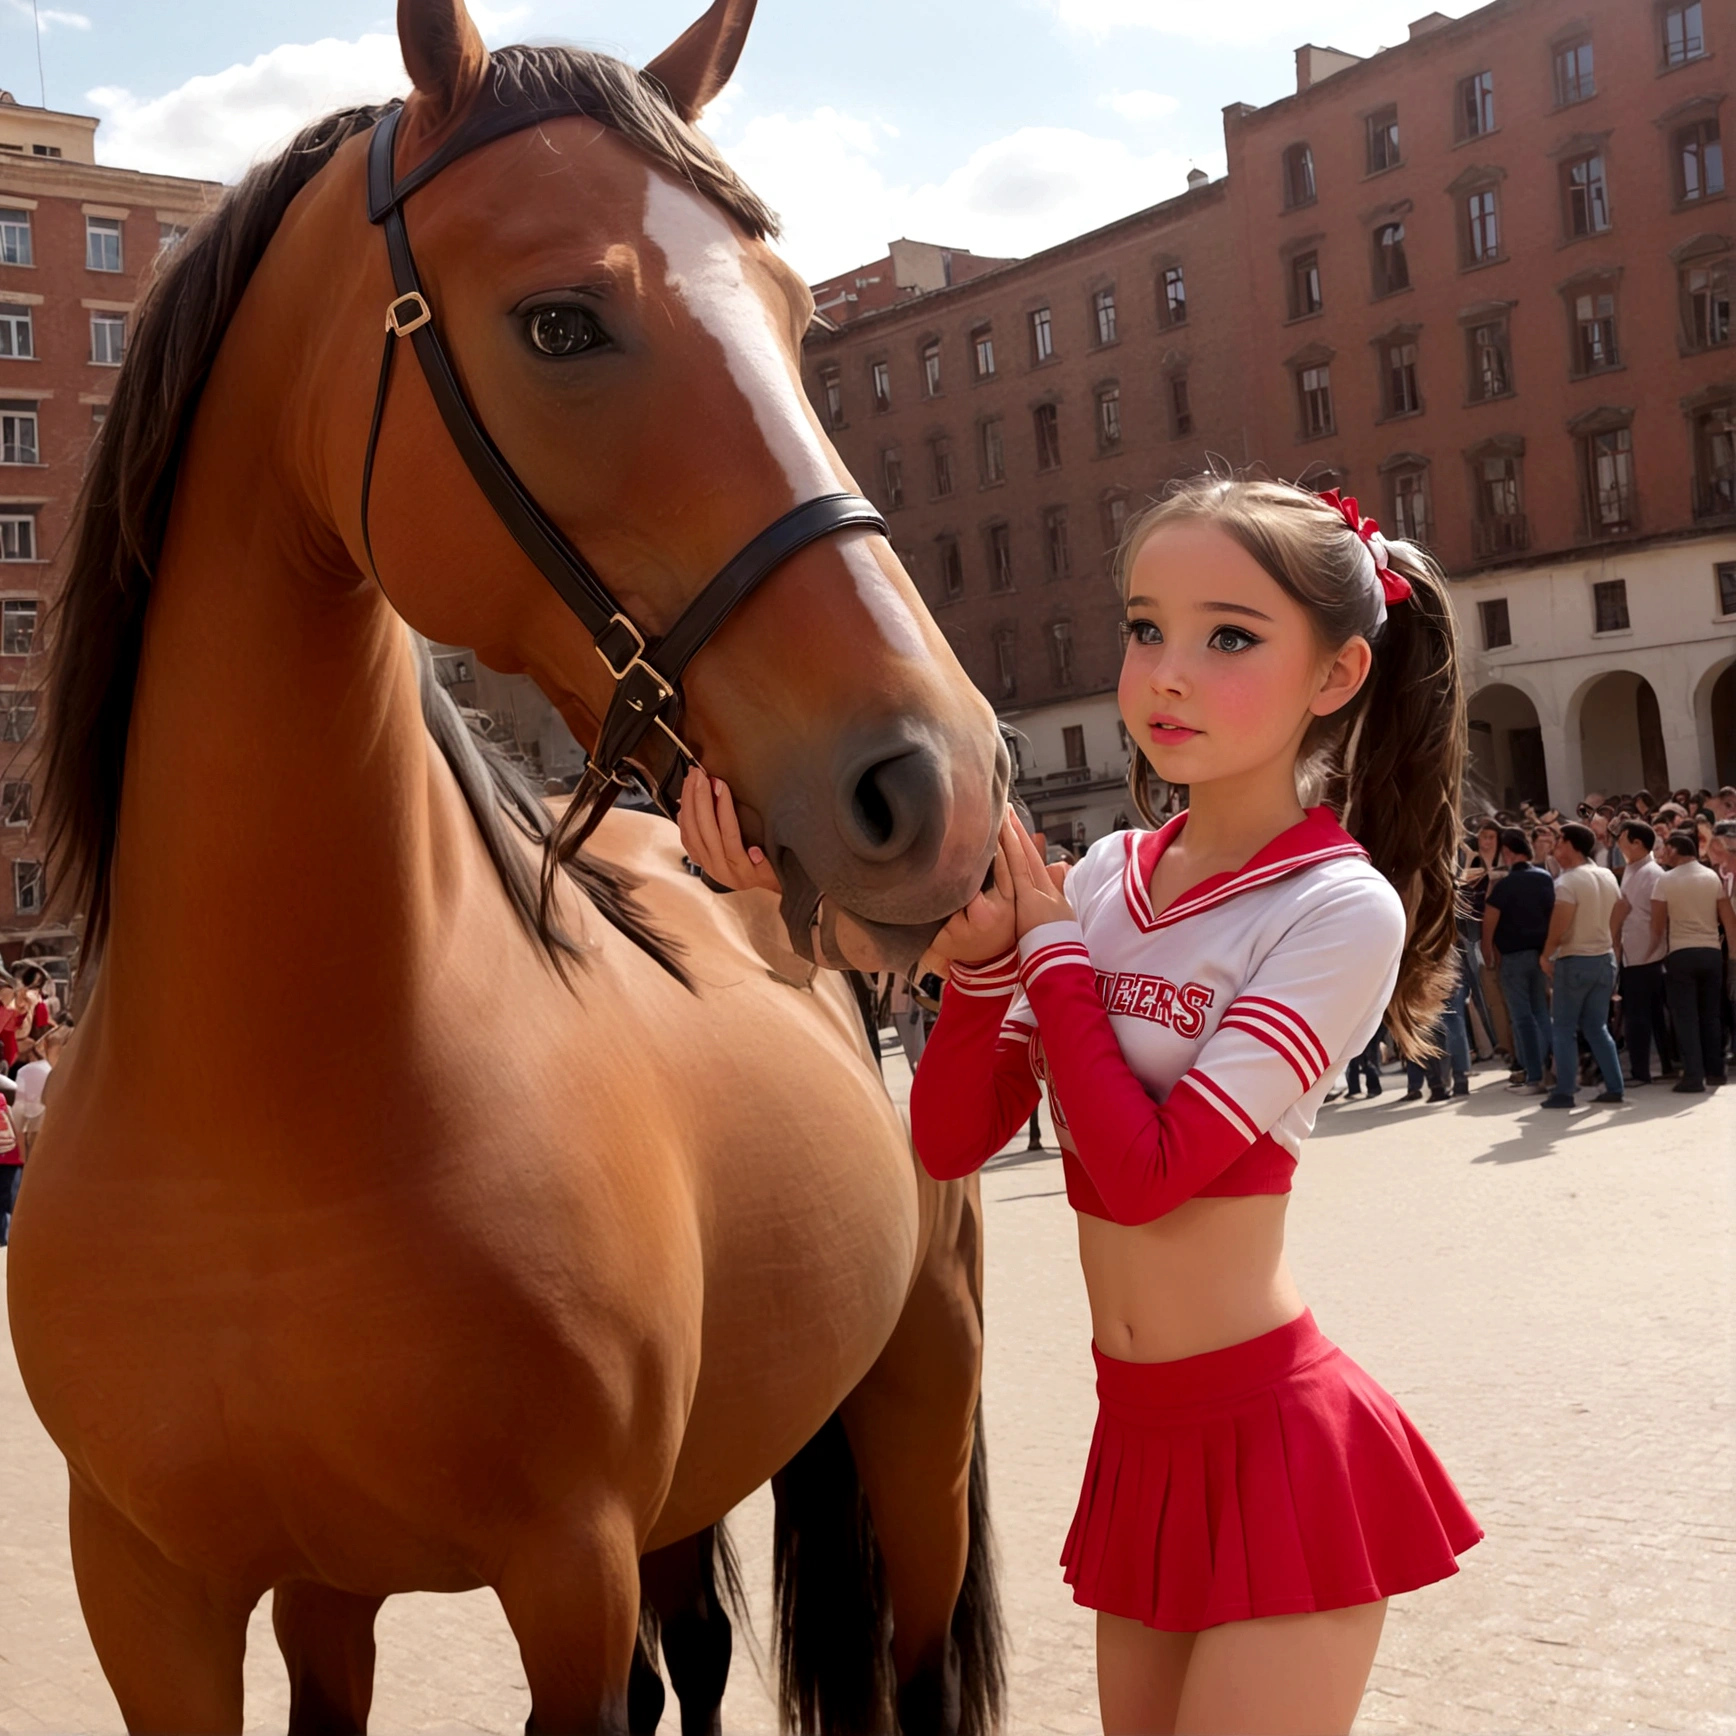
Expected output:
{"points": [[951, 569], [98, 415], [1610, 606], [1573, 75], [1383, 139], [17, 626], [1684, 34], [940, 460], [1305, 284], [1180, 409], [17, 714], [881, 376], [1391, 268], [1594, 345], [1114, 521], [1482, 227], [1491, 367], [931, 370], [1298, 177], [108, 339], [1073, 746], [1608, 461], [1103, 309], [1006, 662], [16, 337], [102, 243], [1399, 377], [18, 434], [834, 389], [1500, 525], [1061, 654], [27, 887], [15, 238], [1725, 575], [15, 803], [1410, 504], [1706, 302], [1587, 192], [1715, 462], [994, 452], [1042, 336], [1047, 420], [1060, 555], [17, 537], [892, 464], [1109, 418], [1497, 628], [1000, 558], [170, 236], [1699, 161], [983, 351], [1314, 387], [1173, 301], [1476, 107]]}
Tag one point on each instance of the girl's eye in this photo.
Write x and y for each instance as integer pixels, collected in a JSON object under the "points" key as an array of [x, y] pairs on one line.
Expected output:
{"points": [[1232, 639], [562, 331], [1141, 633]]}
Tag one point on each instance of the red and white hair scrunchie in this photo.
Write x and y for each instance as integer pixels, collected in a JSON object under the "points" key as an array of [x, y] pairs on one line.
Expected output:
{"points": [[1389, 587]]}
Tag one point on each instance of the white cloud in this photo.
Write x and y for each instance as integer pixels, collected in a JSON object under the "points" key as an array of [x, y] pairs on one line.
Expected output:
{"points": [[1356, 25], [1140, 106], [1013, 196], [52, 18]]}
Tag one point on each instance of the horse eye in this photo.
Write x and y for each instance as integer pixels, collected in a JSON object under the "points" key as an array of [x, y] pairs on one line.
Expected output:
{"points": [[562, 331]]}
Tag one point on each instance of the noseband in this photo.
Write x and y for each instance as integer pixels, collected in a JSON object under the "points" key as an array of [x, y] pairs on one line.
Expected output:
{"points": [[639, 740]]}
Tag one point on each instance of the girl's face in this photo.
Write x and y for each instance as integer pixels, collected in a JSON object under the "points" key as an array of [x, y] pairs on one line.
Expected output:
{"points": [[1224, 670], [1488, 845]]}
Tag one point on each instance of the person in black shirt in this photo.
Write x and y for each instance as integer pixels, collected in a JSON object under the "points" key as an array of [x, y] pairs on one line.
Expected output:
{"points": [[1515, 927]]}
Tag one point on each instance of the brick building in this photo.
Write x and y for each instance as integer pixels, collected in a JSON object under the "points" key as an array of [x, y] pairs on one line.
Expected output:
{"points": [[910, 268], [77, 242], [1480, 279]]}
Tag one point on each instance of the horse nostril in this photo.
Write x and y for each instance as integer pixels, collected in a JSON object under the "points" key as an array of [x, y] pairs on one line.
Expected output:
{"points": [[872, 811], [889, 805]]}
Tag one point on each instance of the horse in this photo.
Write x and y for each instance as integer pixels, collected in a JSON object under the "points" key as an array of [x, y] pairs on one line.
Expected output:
{"points": [[506, 1205]]}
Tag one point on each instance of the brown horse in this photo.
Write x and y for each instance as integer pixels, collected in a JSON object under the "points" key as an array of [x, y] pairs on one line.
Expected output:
{"points": [[423, 1266]]}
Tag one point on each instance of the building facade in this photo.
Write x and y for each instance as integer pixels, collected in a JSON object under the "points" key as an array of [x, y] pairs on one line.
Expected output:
{"points": [[1481, 280], [78, 242]]}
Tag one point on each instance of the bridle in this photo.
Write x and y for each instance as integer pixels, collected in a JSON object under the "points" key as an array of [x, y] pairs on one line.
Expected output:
{"points": [[640, 740]]}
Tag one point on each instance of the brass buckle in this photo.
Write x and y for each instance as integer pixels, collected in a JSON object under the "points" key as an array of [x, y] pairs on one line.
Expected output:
{"points": [[665, 689], [401, 323]]}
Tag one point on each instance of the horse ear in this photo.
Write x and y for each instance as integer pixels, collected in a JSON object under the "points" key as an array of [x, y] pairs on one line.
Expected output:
{"points": [[695, 67], [443, 53]]}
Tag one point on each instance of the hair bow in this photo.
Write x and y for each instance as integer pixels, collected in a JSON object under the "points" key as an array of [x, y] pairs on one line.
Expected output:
{"points": [[1394, 587]]}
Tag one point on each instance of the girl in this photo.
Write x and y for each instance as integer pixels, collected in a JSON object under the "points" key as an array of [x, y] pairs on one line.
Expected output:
{"points": [[1252, 1497]]}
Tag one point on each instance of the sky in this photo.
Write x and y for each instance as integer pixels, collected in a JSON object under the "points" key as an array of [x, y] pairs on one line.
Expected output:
{"points": [[1001, 126]]}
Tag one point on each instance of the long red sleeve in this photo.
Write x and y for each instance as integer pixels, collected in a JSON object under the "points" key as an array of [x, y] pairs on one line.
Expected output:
{"points": [[975, 1087]]}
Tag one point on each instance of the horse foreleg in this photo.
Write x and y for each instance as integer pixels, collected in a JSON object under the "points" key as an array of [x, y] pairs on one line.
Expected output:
{"points": [[912, 1430], [570, 1593], [680, 1584], [327, 1641], [170, 1643]]}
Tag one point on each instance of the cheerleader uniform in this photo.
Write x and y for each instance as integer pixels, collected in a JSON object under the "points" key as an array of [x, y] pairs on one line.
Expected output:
{"points": [[1185, 1055]]}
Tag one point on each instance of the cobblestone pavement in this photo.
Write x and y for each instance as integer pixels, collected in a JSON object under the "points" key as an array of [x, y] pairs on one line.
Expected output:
{"points": [[1548, 1296]]}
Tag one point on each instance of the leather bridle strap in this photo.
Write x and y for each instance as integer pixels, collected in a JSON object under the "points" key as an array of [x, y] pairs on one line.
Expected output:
{"points": [[647, 671]]}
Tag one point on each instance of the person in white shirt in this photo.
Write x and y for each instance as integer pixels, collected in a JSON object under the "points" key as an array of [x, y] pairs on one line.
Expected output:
{"points": [[1579, 960], [1688, 906], [29, 1106], [1640, 956]]}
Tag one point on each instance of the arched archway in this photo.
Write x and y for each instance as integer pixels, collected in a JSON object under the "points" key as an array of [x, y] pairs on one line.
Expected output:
{"points": [[1621, 735], [1506, 750], [1724, 726]]}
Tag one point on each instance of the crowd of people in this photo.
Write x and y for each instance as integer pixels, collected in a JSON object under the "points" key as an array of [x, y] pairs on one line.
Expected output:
{"points": [[1606, 939], [33, 1027]]}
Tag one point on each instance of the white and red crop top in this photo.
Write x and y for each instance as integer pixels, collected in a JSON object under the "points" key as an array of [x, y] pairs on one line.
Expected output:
{"points": [[1185, 1054]]}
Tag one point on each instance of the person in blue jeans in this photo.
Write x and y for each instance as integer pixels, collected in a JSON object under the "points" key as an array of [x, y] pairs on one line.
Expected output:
{"points": [[1448, 1071], [1515, 928], [1579, 957]]}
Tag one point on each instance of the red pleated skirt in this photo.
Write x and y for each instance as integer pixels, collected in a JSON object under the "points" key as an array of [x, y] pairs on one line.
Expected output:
{"points": [[1269, 1478]]}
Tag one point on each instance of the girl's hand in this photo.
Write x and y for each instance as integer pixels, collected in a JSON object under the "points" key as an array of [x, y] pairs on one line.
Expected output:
{"points": [[711, 836], [1037, 885], [984, 928]]}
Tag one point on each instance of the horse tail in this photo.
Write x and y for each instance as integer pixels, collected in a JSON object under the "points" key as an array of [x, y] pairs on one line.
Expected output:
{"points": [[833, 1621], [833, 1625]]}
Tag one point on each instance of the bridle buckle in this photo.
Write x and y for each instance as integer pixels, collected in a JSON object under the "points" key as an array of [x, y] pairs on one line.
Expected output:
{"points": [[664, 690], [409, 313]]}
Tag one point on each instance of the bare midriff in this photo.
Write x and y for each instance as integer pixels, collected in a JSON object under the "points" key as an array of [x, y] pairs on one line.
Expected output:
{"points": [[1210, 1274]]}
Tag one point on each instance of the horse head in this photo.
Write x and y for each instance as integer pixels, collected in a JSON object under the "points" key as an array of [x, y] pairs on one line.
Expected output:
{"points": [[630, 342]]}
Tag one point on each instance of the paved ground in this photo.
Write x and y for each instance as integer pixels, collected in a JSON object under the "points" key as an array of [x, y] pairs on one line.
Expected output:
{"points": [[1548, 1296]]}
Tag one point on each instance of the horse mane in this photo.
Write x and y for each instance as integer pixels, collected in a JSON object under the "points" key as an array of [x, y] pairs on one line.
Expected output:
{"points": [[122, 514]]}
